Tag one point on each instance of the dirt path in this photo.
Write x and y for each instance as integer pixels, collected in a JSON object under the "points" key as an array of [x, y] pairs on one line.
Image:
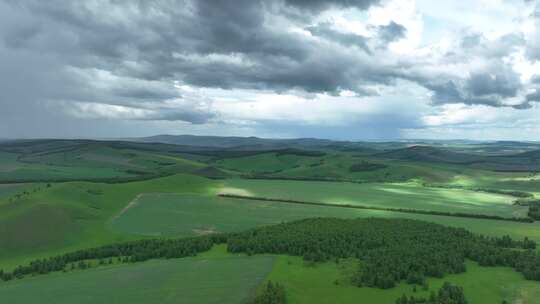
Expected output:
{"points": [[128, 206]]}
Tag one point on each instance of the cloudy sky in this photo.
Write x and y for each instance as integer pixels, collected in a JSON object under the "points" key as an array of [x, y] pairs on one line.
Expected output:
{"points": [[342, 69]]}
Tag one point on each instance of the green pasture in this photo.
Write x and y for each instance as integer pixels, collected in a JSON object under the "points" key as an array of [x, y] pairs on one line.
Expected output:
{"points": [[393, 195], [204, 280]]}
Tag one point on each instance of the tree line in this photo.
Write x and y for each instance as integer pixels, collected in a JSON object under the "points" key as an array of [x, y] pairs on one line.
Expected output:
{"points": [[447, 294], [129, 252], [402, 210], [533, 204], [272, 293]]}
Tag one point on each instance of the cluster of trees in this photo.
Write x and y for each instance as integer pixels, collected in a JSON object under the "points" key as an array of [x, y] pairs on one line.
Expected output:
{"points": [[365, 166], [27, 192], [533, 204], [402, 210], [273, 293], [448, 294], [534, 211], [390, 250], [130, 252]]}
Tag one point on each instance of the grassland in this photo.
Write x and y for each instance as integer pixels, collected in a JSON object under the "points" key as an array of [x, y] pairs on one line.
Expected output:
{"points": [[394, 195], [209, 278]]}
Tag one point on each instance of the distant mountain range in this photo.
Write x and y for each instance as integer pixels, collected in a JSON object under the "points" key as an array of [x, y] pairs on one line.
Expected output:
{"points": [[257, 143]]}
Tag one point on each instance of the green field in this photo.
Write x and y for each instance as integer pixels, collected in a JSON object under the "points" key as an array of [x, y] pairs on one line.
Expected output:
{"points": [[204, 279], [394, 195], [187, 215]]}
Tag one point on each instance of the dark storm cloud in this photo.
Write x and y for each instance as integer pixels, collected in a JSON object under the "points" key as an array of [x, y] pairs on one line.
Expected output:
{"points": [[489, 88], [194, 117], [503, 84], [111, 35]]}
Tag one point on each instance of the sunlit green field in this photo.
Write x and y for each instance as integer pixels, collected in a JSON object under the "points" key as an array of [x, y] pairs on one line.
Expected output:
{"points": [[394, 195]]}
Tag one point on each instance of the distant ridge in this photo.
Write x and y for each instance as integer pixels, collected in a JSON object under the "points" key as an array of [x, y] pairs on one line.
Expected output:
{"points": [[429, 154], [252, 143], [233, 141]]}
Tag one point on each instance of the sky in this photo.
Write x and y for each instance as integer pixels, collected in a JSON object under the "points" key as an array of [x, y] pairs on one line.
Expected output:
{"points": [[338, 69]]}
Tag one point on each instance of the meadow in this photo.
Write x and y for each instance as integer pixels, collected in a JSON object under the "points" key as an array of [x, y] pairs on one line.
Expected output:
{"points": [[231, 279]]}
